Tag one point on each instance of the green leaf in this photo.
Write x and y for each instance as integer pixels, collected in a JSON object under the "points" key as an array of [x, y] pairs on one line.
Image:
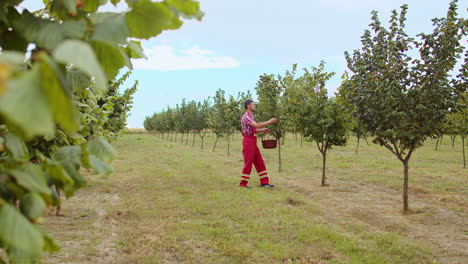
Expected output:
{"points": [[45, 33], [26, 89], [6, 3], [60, 101], [126, 58], [188, 8], [110, 28], [134, 50], [115, 2], [32, 178], [148, 19], [69, 154], [110, 57], [59, 175], [17, 232], [93, 5], [102, 149], [64, 8], [70, 158], [49, 244], [81, 55], [18, 256], [78, 79], [16, 147], [32, 205], [12, 57], [12, 40], [99, 166]]}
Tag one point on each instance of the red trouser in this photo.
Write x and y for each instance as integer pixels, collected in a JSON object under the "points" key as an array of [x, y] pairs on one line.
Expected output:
{"points": [[253, 156]]}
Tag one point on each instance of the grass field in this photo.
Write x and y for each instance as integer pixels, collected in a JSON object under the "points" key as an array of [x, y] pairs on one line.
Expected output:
{"points": [[168, 202]]}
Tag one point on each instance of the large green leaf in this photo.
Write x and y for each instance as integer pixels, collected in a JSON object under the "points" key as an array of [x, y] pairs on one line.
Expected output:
{"points": [[110, 28], [81, 55], [17, 232], [45, 33], [148, 19], [110, 57], [16, 147], [102, 149], [23, 94], [32, 205], [32, 178], [99, 166], [60, 101]]}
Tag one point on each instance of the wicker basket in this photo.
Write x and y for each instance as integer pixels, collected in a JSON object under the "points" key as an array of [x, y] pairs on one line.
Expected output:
{"points": [[269, 143]]}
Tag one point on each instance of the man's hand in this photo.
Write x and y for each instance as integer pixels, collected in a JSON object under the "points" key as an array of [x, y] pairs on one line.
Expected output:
{"points": [[273, 120]]}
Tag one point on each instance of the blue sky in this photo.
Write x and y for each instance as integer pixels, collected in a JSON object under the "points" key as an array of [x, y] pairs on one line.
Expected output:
{"points": [[239, 40]]}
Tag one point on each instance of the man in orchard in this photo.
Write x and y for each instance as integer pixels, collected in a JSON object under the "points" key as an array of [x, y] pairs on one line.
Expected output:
{"points": [[250, 149]]}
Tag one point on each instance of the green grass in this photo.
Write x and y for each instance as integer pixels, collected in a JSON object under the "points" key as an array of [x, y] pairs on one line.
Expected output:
{"points": [[179, 204]]}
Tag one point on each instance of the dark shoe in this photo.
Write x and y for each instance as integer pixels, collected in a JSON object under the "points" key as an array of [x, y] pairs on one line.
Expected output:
{"points": [[267, 185], [246, 187]]}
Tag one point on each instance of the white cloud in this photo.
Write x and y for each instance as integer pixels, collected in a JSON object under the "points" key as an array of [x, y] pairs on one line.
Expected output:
{"points": [[166, 58]]}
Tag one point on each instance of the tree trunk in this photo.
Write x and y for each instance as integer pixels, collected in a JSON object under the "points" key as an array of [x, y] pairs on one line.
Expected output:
{"points": [[279, 155], [186, 139], [182, 138], [357, 147], [405, 186], [367, 142], [463, 150], [302, 136], [324, 164], [216, 141], [193, 141], [59, 207], [228, 143], [437, 143], [202, 138], [453, 141]]}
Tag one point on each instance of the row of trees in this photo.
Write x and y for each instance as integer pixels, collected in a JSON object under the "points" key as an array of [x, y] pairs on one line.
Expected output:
{"points": [[219, 114], [60, 102], [398, 99]]}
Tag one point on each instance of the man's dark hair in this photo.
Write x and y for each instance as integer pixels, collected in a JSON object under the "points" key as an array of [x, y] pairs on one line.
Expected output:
{"points": [[247, 102]]}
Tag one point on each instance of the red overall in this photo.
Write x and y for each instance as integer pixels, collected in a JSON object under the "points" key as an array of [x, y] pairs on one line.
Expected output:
{"points": [[252, 155]]}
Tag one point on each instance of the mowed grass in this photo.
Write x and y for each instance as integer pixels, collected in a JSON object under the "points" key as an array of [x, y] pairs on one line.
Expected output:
{"points": [[181, 204]]}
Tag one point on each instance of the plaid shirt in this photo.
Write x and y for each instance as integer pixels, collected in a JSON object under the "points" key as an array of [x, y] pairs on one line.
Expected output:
{"points": [[246, 120]]}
